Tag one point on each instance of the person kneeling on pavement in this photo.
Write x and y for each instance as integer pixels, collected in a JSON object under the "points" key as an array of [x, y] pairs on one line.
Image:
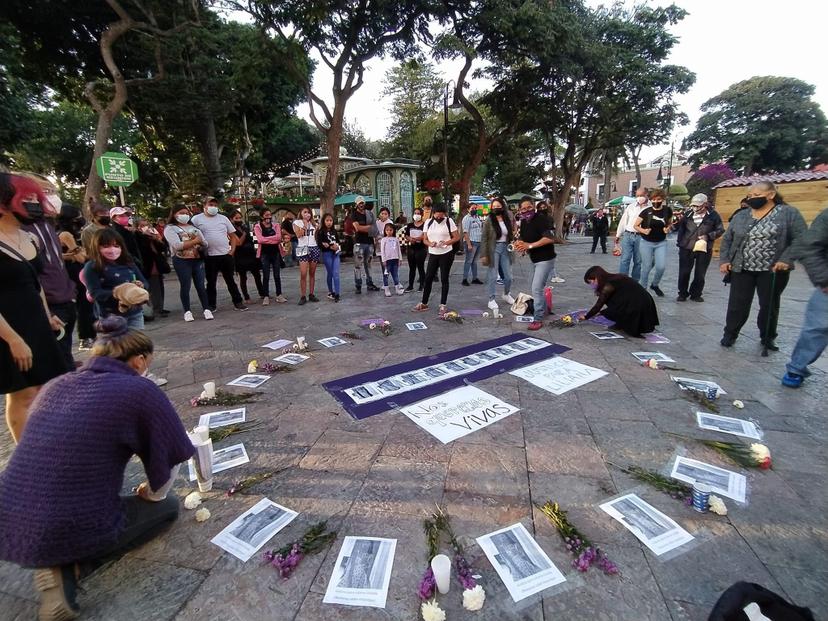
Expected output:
{"points": [[60, 496]]}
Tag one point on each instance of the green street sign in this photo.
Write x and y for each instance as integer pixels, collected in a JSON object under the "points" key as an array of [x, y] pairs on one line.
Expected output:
{"points": [[116, 169]]}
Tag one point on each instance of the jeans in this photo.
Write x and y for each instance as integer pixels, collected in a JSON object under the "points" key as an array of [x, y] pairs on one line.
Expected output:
{"points": [[136, 321], [363, 255], [501, 262], [742, 287], [392, 267], [221, 264], [443, 263], [470, 261], [688, 260], [652, 252], [331, 261], [416, 263], [190, 271], [814, 335], [630, 253], [540, 275], [553, 273], [271, 262], [67, 313]]}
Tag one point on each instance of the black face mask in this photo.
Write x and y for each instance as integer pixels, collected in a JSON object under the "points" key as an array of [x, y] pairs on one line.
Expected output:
{"points": [[34, 211], [756, 202], [657, 204], [103, 220]]}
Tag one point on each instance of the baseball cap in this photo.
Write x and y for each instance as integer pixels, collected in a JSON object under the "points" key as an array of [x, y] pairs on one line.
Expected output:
{"points": [[359, 200], [698, 199], [118, 211]]}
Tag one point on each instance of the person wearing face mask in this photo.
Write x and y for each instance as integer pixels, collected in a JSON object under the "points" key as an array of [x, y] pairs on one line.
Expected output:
{"points": [[697, 230], [623, 300], [100, 219], [269, 235], [363, 246], [417, 251], [757, 252], [187, 244], [498, 233], [219, 233], [439, 234], [600, 230], [29, 352], [627, 236], [653, 224], [70, 223], [121, 219], [309, 255], [472, 227], [245, 258], [62, 506]]}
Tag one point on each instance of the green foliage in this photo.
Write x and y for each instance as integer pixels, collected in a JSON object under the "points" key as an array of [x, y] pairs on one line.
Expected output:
{"points": [[764, 124], [415, 90], [678, 193], [515, 165]]}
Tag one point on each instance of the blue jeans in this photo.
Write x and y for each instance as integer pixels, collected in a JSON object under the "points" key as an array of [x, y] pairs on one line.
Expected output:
{"points": [[652, 252], [135, 321], [814, 335], [331, 261], [541, 273], [392, 267], [190, 271], [501, 261], [271, 262], [470, 260], [630, 254], [363, 255]]}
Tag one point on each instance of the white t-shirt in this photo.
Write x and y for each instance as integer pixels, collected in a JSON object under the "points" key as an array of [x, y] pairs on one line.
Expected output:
{"points": [[439, 232], [307, 238], [503, 231], [215, 230]]}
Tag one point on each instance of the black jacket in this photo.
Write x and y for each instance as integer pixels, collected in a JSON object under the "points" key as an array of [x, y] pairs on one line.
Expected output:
{"points": [[600, 226], [688, 233], [812, 250]]}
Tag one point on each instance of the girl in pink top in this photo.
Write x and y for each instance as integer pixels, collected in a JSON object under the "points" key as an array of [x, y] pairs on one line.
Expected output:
{"points": [[390, 255], [269, 235]]}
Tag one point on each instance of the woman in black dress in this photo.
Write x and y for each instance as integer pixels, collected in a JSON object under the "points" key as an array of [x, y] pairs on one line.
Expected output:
{"points": [[627, 303], [29, 352]]}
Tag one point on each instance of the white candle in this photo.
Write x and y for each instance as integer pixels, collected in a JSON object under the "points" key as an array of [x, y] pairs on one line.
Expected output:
{"points": [[441, 567], [300, 341], [210, 390]]}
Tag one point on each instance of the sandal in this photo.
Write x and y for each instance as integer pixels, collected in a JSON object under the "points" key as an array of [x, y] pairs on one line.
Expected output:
{"points": [[420, 307], [443, 309]]}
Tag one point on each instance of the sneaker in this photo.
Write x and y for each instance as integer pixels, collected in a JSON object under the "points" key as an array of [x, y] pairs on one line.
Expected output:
{"points": [[681, 298], [188, 316], [409, 288], [358, 290], [58, 588], [164, 312], [280, 299], [508, 299], [158, 381], [657, 291], [336, 297], [303, 300], [208, 314], [727, 341], [792, 380], [86, 344], [400, 290], [372, 287], [697, 299], [387, 292], [492, 304], [465, 283], [266, 301], [557, 279], [240, 307], [770, 344], [535, 325], [331, 296], [500, 281], [312, 298], [477, 281]]}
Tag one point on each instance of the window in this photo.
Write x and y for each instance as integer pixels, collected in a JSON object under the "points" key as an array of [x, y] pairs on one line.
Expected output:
{"points": [[363, 185], [633, 186], [406, 193], [599, 191], [383, 190]]}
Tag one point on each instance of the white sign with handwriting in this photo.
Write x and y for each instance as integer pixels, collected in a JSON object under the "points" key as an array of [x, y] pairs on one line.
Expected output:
{"points": [[457, 413]]}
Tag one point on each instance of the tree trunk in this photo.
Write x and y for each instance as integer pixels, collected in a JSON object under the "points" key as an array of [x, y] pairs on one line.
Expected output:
{"points": [[636, 153], [334, 139], [608, 166], [208, 145]]}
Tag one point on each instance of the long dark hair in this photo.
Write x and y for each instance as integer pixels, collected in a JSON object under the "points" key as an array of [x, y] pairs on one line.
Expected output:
{"points": [[106, 237], [507, 220], [175, 209], [598, 273]]}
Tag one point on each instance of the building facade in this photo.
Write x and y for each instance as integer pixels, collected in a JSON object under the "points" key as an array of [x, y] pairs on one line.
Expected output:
{"points": [[623, 183]]}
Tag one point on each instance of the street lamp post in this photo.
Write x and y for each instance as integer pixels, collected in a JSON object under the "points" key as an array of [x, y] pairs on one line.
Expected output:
{"points": [[454, 104]]}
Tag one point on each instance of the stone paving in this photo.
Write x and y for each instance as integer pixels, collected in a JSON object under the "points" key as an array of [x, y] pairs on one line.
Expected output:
{"points": [[382, 475]]}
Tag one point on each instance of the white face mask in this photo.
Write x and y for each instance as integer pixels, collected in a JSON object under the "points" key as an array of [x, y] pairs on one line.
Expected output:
{"points": [[417, 217], [55, 201], [211, 210], [182, 218], [641, 200]]}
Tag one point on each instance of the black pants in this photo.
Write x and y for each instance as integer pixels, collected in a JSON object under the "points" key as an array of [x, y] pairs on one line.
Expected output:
{"points": [[696, 262], [67, 313], [602, 237], [742, 287], [443, 263], [257, 278], [225, 265], [416, 264]]}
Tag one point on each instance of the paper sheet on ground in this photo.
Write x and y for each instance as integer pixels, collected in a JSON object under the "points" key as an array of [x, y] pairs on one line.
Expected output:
{"points": [[606, 336], [416, 325], [332, 341], [656, 337], [691, 383], [524, 319], [246, 535], [458, 412], [223, 418], [280, 344], [291, 358], [558, 375], [721, 481], [362, 572], [644, 356], [654, 529], [522, 565], [249, 380], [725, 424], [223, 459]]}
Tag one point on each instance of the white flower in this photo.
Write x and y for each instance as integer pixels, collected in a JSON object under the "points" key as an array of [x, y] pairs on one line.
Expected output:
{"points": [[202, 515], [473, 598], [717, 505], [252, 366], [386, 323], [738, 405], [486, 315], [192, 500], [432, 611], [760, 452], [652, 363], [372, 326]]}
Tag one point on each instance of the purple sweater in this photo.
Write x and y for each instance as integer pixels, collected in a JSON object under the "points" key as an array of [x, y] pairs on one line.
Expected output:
{"points": [[60, 494]]}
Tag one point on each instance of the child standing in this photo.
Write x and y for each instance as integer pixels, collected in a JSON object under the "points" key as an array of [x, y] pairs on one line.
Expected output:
{"points": [[390, 255], [328, 241]]}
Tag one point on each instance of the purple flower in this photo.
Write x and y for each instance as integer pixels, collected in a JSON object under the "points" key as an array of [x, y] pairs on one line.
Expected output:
{"points": [[428, 585], [464, 573]]}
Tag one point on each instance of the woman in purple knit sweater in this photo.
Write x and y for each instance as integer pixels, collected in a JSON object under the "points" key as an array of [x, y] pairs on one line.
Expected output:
{"points": [[60, 502]]}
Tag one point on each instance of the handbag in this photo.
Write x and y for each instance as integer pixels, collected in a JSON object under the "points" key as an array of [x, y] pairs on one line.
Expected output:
{"points": [[521, 305]]}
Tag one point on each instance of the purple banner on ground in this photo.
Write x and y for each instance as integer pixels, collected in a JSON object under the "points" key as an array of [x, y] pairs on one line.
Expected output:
{"points": [[598, 319], [392, 387]]}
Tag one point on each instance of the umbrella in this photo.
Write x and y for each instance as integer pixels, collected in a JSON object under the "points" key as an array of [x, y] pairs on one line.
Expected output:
{"points": [[519, 196], [576, 209], [479, 200], [620, 200], [350, 198]]}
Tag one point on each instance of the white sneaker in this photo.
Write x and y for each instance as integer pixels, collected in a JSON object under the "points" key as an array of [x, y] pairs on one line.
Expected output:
{"points": [[387, 292], [400, 290], [208, 314], [557, 279], [508, 299], [493, 305], [265, 301], [188, 316]]}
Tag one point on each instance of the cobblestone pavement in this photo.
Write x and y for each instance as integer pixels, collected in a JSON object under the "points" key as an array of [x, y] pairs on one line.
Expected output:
{"points": [[380, 476]]}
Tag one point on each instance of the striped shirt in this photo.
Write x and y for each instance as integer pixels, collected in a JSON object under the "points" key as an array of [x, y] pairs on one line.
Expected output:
{"points": [[473, 226]]}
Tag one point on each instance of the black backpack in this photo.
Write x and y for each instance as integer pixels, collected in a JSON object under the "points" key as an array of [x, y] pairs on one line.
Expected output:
{"points": [[732, 602]]}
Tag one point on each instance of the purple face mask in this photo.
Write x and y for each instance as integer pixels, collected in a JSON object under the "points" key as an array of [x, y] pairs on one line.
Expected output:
{"points": [[526, 215], [593, 286]]}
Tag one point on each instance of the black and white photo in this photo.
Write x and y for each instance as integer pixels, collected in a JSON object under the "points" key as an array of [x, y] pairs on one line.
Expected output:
{"points": [[654, 529], [726, 424], [246, 535], [362, 572], [291, 358], [332, 341], [249, 381], [644, 356], [606, 336], [689, 383], [224, 459], [416, 325], [223, 418], [721, 481]]}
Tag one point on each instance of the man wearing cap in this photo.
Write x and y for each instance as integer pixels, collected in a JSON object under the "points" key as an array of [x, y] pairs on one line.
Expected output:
{"points": [[219, 233], [363, 246], [120, 218], [697, 229]]}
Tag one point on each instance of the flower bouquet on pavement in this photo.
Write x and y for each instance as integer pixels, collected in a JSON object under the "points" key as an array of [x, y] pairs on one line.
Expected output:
{"points": [[565, 321], [384, 327], [288, 557], [584, 551], [452, 316], [754, 456], [225, 398]]}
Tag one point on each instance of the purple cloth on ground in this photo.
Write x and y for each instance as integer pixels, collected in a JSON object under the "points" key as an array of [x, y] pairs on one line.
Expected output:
{"points": [[598, 319], [368, 322], [471, 312], [60, 494]]}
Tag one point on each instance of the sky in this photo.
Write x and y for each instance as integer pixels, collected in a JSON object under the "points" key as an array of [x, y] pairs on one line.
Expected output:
{"points": [[721, 41]]}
